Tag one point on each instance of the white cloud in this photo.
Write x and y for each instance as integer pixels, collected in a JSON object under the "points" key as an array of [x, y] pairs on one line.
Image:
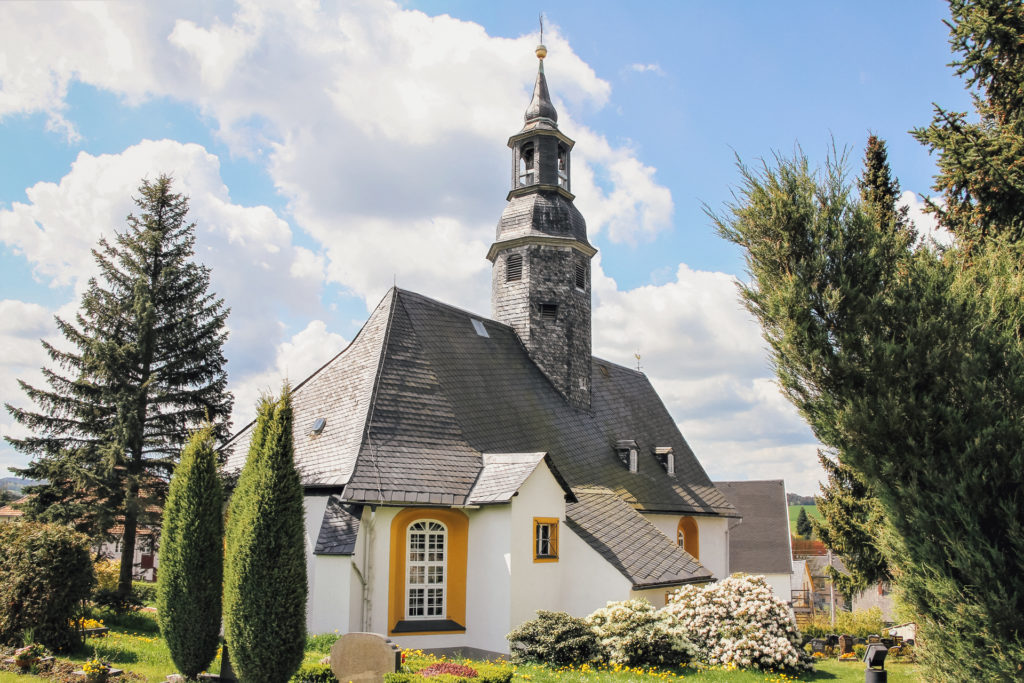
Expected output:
{"points": [[927, 224], [703, 353], [22, 325], [254, 264], [384, 129], [647, 68]]}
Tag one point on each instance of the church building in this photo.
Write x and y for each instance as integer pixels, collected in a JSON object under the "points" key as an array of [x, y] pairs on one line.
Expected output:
{"points": [[462, 472]]}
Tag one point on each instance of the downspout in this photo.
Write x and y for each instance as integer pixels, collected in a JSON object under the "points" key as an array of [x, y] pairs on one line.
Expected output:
{"points": [[368, 569]]}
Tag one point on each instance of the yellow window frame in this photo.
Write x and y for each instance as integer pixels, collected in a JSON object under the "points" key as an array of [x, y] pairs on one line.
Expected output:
{"points": [[551, 522]]}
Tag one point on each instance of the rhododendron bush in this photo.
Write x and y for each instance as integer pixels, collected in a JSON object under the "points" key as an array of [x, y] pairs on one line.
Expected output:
{"points": [[633, 632], [738, 621]]}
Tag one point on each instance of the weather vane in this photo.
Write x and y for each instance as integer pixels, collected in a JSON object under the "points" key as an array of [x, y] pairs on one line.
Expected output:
{"points": [[541, 51]]}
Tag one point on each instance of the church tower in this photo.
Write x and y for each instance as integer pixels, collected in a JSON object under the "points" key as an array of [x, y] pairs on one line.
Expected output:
{"points": [[540, 279]]}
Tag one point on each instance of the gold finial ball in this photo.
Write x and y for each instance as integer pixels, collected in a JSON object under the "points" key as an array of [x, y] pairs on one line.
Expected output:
{"points": [[542, 52]]}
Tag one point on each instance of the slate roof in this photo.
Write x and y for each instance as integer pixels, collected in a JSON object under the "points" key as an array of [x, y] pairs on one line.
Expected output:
{"points": [[760, 543], [634, 546], [504, 473], [418, 397], [339, 528]]}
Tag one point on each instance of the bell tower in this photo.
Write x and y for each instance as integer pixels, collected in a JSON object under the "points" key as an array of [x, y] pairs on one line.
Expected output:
{"points": [[540, 279]]}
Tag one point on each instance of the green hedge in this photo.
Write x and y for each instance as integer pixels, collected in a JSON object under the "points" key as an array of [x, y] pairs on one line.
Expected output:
{"points": [[144, 592], [314, 673]]}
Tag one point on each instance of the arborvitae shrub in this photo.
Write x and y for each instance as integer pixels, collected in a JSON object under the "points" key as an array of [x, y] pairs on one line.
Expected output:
{"points": [[553, 638], [188, 595], [45, 573], [265, 567]]}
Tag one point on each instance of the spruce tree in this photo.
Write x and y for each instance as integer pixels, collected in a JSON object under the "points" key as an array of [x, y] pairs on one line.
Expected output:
{"points": [[192, 558], [143, 367], [803, 524], [265, 567], [981, 177]]}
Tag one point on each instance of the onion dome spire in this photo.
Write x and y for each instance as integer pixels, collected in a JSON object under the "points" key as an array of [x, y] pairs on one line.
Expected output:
{"points": [[540, 106]]}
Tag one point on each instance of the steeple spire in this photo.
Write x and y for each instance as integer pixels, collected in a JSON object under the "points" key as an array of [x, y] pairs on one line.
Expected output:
{"points": [[540, 106], [540, 281]]}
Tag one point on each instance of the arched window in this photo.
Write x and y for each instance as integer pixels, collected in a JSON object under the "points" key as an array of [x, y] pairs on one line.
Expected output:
{"points": [[527, 165], [688, 536], [563, 167], [426, 573]]}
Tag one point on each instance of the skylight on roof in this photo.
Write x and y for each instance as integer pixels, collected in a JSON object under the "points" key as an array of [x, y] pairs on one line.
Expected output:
{"points": [[479, 327], [318, 425]]}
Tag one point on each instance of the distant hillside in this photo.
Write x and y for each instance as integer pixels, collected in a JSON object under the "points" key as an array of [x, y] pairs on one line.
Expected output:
{"points": [[794, 499], [794, 511], [15, 484]]}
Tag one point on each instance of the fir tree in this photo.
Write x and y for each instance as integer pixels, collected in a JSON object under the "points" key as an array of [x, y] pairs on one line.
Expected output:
{"points": [[981, 176], [803, 524], [265, 568], [191, 558], [144, 367]]}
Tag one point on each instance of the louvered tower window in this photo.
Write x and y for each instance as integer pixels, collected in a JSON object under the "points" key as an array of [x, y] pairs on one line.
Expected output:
{"points": [[527, 165], [563, 167], [548, 311], [513, 267], [581, 276]]}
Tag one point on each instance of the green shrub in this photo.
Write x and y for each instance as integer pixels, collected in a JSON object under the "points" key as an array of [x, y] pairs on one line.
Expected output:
{"points": [[633, 633], [144, 592], [553, 638], [859, 650], [859, 624], [265, 565], [487, 672], [188, 595], [45, 573], [321, 642], [115, 602], [107, 574], [314, 673]]}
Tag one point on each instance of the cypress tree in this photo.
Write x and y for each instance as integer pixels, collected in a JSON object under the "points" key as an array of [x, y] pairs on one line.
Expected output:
{"points": [[265, 569], [144, 368], [192, 558], [803, 524]]}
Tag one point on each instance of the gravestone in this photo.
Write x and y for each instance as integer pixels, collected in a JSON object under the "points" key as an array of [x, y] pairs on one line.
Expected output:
{"points": [[364, 657], [874, 639], [860, 641], [817, 645], [845, 644], [831, 640]]}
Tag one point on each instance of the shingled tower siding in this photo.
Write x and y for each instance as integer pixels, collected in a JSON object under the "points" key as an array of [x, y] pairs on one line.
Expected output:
{"points": [[545, 304]]}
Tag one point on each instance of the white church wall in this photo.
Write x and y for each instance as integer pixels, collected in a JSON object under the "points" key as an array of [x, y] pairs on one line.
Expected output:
{"points": [[488, 578], [714, 539], [329, 601], [535, 585], [313, 508], [589, 581], [780, 584]]}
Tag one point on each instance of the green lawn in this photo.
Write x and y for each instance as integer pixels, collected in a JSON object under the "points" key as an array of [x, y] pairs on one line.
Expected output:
{"points": [[794, 511], [134, 644]]}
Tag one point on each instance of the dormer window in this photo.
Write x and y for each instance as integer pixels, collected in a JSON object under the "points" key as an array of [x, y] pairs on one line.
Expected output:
{"points": [[563, 167], [527, 165], [667, 458], [627, 450]]}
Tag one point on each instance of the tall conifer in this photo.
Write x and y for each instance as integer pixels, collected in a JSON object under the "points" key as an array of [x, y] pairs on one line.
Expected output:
{"points": [[192, 558], [265, 566], [143, 367]]}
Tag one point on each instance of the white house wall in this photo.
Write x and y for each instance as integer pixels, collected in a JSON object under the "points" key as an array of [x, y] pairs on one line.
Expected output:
{"points": [[589, 581], [313, 509], [780, 584], [488, 579], [714, 539]]}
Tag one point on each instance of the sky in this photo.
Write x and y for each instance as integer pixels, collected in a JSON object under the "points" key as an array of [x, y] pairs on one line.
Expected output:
{"points": [[333, 149]]}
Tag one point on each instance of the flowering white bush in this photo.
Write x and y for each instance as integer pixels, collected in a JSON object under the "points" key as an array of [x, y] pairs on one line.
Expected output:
{"points": [[738, 621], [633, 633]]}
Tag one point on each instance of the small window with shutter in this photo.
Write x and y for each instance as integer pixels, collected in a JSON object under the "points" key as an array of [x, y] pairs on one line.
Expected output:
{"points": [[549, 311], [513, 267], [581, 275]]}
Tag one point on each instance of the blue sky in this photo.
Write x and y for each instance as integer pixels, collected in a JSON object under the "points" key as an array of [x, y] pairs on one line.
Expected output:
{"points": [[332, 149]]}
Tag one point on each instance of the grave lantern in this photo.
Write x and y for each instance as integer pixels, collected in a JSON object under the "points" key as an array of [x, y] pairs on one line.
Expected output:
{"points": [[874, 657]]}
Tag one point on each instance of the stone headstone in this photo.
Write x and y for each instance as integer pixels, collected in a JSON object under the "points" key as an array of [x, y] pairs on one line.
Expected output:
{"points": [[845, 644], [874, 639], [364, 657], [817, 645], [831, 640], [859, 641]]}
